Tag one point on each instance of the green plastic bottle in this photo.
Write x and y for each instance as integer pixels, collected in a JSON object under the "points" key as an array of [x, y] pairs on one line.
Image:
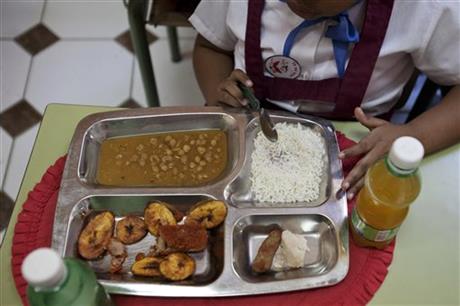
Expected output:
{"points": [[54, 281]]}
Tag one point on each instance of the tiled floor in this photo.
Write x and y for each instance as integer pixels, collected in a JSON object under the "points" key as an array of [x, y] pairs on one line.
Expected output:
{"points": [[76, 52]]}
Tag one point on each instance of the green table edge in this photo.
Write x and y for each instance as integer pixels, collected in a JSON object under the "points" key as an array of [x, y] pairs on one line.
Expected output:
{"points": [[66, 118]]}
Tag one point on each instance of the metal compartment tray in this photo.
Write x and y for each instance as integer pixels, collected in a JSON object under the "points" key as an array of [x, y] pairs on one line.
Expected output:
{"points": [[223, 269]]}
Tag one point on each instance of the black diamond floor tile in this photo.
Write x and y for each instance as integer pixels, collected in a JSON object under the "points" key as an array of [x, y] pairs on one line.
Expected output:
{"points": [[6, 208], [19, 118], [36, 39], [124, 39]]}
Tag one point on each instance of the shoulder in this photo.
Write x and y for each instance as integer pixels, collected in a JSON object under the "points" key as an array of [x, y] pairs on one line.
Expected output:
{"points": [[430, 32], [221, 9], [210, 19], [425, 6], [413, 24], [414, 14]]}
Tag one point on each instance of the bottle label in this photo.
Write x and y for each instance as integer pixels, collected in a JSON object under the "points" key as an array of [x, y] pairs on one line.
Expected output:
{"points": [[370, 233]]}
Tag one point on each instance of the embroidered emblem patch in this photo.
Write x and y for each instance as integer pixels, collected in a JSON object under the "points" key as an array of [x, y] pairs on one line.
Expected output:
{"points": [[283, 67]]}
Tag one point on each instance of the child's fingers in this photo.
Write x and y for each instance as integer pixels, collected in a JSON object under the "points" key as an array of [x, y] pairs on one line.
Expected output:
{"points": [[231, 94], [355, 174], [368, 121], [233, 90], [240, 76], [359, 170], [361, 147], [228, 99], [355, 188], [368, 142]]}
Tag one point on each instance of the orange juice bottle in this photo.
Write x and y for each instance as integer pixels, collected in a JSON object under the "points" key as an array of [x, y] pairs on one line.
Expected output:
{"points": [[390, 186]]}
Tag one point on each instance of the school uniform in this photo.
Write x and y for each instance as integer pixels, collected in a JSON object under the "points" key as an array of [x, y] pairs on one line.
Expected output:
{"points": [[394, 38]]}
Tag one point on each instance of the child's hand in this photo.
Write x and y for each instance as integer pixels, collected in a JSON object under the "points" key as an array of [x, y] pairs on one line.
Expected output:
{"points": [[228, 91], [375, 145]]}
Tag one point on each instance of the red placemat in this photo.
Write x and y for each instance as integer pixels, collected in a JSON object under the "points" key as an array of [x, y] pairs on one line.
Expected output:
{"points": [[368, 267]]}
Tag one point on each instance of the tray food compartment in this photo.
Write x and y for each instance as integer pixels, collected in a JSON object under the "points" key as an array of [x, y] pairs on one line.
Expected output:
{"points": [[209, 263], [136, 126], [239, 193], [250, 231], [223, 269]]}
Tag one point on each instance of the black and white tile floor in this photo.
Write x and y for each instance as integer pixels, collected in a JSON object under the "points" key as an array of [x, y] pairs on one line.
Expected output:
{"points": [[76, 52]]}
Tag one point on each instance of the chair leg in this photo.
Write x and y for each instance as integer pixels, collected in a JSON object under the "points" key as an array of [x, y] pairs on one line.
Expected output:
{"points": [[174, 44], [136, 17]]}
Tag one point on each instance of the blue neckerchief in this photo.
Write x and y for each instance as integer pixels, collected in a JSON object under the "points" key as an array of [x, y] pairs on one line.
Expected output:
{"points": [[342, 33]]}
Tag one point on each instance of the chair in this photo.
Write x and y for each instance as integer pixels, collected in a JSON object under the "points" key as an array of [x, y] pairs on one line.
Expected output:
{"points": [[169, 13], [420, 94], [426, 98]]}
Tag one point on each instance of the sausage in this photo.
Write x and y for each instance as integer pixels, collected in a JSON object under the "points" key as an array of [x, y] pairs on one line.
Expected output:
{"points": [[264, 258]]}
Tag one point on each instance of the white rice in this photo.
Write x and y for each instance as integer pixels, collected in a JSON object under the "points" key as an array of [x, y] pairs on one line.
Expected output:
{"points": [[289, 170], [291, 252]]}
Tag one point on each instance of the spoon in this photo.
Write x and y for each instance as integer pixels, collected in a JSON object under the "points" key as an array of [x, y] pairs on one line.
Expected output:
{"points": [[266, 124]]}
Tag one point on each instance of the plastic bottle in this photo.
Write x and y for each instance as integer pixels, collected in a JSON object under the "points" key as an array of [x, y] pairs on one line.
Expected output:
{"points": [[54, 281], [390, 186]]}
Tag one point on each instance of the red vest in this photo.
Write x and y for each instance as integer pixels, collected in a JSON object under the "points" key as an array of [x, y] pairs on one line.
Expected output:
{"points": [[341, 96]]}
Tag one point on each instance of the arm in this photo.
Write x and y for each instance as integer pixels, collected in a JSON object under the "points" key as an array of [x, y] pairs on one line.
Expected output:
{"points": [[212, 65], [215, 75], [437, 129]]}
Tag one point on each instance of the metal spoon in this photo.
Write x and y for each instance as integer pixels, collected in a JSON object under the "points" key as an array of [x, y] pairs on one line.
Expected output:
{"points": [[266, 124]]}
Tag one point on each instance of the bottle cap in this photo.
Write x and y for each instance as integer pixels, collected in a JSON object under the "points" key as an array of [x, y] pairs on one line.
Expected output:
{"points": [[44, 268], [406, 153]]}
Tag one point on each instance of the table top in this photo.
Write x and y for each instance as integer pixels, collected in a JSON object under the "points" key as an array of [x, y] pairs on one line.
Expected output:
{"points": [[425, 268]]}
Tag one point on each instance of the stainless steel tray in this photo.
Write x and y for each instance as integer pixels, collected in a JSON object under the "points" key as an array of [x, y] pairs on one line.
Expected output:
{"points": [[223, 269]]}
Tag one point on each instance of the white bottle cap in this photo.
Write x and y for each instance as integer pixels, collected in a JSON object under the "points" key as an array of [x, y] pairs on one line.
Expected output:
{"points": [[44, 268], [406, 153]]}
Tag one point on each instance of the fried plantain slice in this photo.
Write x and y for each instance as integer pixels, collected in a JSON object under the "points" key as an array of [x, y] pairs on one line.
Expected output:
{"points": [[147, 266], [178, 215], [177, 266], [130, 229], [207, 213], [156, 214], [95, 236]]}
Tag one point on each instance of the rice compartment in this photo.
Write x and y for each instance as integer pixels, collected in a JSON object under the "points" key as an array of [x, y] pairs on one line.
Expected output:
{"points": [[289, 170]]}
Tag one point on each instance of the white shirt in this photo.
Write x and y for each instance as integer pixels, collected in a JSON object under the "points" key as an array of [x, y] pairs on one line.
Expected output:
{"points": [[422, 34]]}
